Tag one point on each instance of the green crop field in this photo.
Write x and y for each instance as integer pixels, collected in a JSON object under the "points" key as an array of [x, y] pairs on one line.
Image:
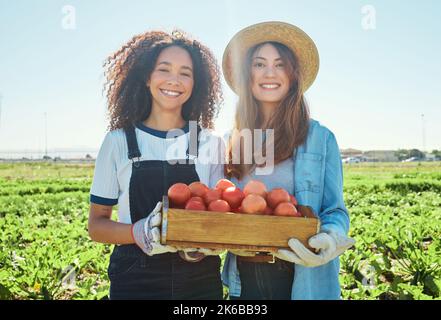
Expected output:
{"points": [[45, 251]]}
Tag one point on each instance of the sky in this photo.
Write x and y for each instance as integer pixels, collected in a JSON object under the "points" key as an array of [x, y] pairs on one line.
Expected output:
{"points": [[378, 87]]}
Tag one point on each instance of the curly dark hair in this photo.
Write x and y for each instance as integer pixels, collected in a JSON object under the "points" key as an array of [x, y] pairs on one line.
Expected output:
{"points": [[128, 70]]}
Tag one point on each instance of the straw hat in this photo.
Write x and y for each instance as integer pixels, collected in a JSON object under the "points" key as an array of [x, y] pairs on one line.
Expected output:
{"points": [[289, 35]]}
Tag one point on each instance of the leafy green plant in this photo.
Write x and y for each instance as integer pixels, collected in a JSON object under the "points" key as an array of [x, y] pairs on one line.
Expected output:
{"points": [[46, 253]]}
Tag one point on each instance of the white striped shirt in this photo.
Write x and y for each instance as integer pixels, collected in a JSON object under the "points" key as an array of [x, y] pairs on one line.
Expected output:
{"points": [[113, 169]]}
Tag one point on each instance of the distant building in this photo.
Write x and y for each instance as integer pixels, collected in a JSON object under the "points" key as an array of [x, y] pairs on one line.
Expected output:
{"points": [[380, 155], [346, 153], [368, 156], [429, 157]]}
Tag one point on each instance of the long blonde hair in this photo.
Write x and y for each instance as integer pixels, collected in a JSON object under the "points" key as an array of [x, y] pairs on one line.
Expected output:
{"points": [[290, 120]]}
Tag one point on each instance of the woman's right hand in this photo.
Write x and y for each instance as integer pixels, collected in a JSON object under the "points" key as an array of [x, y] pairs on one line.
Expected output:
{"points": [[147, 236]]}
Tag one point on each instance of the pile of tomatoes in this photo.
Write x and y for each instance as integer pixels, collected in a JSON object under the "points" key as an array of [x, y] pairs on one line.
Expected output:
{"points": [[226, 197]]}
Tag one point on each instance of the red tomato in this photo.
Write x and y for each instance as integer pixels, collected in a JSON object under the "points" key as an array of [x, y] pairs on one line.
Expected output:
{"points": [[198, 189], [199, 199], [255, 187], [233, 196], [286, 209], [219, 206], [293, 200], [237, 210], [253, 203], [195, 205], [224, 184], [212, 195], [179, 193], [277, 196]]}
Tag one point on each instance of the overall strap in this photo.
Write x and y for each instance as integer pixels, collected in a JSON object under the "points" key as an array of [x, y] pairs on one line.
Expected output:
{"points": [[197, 143], [132, 144]]}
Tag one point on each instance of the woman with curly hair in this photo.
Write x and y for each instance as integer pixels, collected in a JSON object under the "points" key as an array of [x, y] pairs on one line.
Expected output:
{"points": [[162, 90]]}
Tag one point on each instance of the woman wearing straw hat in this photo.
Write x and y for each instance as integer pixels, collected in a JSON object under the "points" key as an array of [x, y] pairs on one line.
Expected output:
{"points": [[269, 66]]}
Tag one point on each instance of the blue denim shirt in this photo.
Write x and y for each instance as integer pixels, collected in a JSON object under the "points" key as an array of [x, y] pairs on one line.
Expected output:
{"points": [[318, 181]]}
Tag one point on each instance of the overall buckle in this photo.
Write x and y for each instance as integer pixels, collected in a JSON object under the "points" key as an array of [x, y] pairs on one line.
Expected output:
{"points": [[136, 163]]}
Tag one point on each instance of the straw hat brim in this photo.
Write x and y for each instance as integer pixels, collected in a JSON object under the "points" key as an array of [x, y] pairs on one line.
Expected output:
{"points": [[289, 35]]}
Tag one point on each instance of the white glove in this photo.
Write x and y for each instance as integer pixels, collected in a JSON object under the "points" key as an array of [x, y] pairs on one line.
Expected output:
{"points": [[330, 246], [146, 233]]}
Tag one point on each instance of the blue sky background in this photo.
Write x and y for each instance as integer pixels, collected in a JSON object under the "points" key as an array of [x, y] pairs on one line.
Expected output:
{"points": [[372, 88]]}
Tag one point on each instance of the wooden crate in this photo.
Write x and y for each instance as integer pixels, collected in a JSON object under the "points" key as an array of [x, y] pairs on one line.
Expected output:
{"points": [[262, 233]]}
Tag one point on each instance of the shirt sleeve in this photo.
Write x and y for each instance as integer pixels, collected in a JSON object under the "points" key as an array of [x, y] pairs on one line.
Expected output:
{"points": [[333, 214], [105, 186]]}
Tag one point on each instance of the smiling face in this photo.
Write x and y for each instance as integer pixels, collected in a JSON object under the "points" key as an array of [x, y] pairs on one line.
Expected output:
{"points": [[171, 82], [269, 77]]}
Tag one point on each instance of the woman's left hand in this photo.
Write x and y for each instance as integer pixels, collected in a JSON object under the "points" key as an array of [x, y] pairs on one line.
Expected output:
{"points": [[330, 246]]}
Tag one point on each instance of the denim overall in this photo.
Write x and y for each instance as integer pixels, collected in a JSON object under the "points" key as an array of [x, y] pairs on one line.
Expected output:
{"points": [[135, 275]]}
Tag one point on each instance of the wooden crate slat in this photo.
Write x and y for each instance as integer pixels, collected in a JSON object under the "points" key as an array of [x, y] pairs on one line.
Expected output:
{"points": [[188, 244], [237, 229]]}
